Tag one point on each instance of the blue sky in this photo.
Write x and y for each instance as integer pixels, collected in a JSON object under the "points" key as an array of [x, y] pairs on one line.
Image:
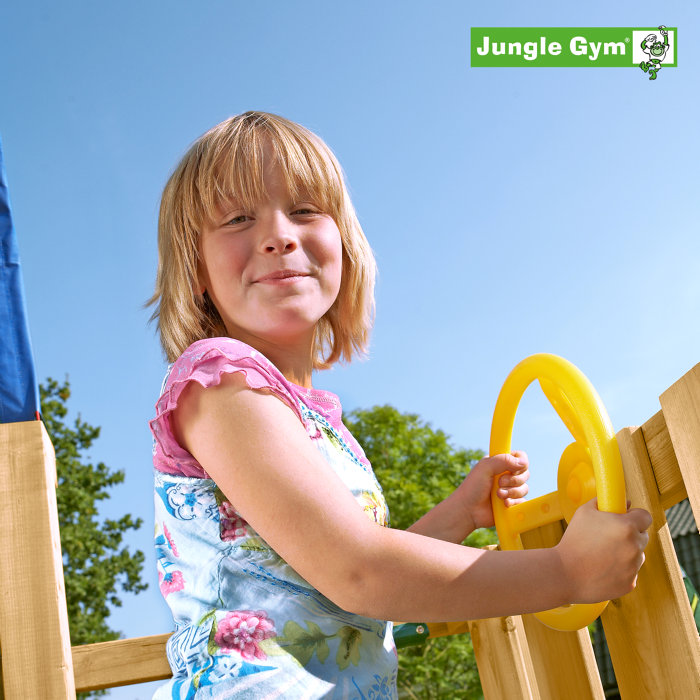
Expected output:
{"points": [[511, 211]]}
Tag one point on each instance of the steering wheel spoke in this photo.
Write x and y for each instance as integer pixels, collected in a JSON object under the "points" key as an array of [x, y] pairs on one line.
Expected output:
{"points": [[563, 407]]}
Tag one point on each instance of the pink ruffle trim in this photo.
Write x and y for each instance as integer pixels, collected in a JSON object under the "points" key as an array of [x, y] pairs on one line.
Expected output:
{"points": [[205, 362]]}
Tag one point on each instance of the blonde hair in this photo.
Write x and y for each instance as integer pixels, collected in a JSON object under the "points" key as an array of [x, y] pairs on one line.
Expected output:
{"points": [[227, 162]]}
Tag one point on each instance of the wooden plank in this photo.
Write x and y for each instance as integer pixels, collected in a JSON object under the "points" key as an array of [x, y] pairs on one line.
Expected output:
{"points": [[503, 659], [681, 407], [651, 633], [669, 480], [447, 629], [36, 652], [564, 662], [121, 662]]}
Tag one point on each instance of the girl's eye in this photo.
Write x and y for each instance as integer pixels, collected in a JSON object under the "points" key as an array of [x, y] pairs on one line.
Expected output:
{"points": [[305, 210], [237, 220]]}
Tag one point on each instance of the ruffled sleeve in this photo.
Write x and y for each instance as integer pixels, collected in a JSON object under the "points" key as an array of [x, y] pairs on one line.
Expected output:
{"points": [[205, 362]]}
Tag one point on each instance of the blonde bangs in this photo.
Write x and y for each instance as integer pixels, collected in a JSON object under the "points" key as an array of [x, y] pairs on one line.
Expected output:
{"points": [[226, 164], [232, 169]]}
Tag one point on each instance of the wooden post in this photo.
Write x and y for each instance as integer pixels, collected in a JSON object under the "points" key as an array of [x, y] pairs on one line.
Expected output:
{"points": [[36, 652], [503, 659], [564, 662], [681, 407], [651, 633]]}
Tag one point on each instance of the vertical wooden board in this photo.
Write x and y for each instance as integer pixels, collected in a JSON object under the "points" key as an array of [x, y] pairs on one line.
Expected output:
{"points": [[681, 407], [36, 652], [651, 633], [564, 662], [503, 659]]}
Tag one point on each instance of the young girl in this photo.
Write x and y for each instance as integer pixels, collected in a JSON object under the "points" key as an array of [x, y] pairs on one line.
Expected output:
{"points": [[274, 549]]}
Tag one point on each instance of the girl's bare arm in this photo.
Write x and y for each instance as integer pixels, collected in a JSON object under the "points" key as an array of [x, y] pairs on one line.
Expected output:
{"points": [[468, 507], [259, 454]]}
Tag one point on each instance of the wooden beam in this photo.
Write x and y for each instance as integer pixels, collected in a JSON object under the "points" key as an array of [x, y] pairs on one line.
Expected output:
{"points": [[651, 632], [121, 662], [503, 659], [681, 407], [667, 473], [564, 662], [36, 652]]}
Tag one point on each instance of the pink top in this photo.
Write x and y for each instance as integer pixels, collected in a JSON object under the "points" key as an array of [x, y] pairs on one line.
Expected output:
{"points": [[205, 362]]}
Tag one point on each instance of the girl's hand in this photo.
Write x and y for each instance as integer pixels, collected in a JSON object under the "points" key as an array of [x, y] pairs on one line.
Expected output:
{"points": [[602, 552], [475, 490]]}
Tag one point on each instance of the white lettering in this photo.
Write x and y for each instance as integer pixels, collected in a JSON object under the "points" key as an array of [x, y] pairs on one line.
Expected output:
{"points": [[595, 50], [578, 46], [483, 50], [530, 50], [612, 47]]}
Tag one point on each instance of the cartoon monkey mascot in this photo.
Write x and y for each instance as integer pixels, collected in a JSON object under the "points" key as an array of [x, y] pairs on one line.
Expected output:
{"points": [[656, 50]]}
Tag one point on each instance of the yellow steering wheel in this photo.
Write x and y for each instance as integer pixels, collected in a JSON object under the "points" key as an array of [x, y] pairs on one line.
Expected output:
{"points": [[588, 467]]}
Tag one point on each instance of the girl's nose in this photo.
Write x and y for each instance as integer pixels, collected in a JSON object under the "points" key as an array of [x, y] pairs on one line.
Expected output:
{"points": [[280, 236]]}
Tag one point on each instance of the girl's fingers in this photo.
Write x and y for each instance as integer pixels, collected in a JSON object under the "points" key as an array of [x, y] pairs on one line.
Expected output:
{"points": [[512, 495], [511, 480], [513, 501], [515, 463], [520, 456], [508, 502]]}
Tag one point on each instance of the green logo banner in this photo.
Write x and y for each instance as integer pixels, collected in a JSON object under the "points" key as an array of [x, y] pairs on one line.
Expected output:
{"points": [[649, 48]]}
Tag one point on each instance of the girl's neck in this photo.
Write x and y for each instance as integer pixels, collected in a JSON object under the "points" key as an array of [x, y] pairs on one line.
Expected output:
{"points": [[293, 360]]}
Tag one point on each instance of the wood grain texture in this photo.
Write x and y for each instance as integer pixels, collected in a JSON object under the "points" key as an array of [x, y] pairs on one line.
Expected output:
{"points": [[121, 662], [681, 406], [667, 473], [651, 633], [564, 662], [36, 653], [503, 659]]}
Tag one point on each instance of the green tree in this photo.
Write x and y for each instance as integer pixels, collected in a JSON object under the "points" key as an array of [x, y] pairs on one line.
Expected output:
{"points": [[418, 467], [95, 564]]}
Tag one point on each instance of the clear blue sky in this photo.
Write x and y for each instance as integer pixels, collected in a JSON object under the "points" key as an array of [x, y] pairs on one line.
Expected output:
{"points": [[512, 211]]}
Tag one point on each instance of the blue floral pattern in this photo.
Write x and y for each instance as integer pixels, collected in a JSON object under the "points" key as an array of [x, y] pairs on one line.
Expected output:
{"points": [[247, 625]]}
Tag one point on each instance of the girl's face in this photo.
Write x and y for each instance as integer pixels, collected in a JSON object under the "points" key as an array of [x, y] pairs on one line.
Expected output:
{"points": [[274, 270]]}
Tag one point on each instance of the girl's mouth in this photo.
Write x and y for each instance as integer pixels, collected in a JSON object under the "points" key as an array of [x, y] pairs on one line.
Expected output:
{"points": [[282, 276]]}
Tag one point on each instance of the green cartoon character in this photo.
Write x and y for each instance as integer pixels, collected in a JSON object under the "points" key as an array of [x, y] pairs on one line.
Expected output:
{"points": [[656, 50]]}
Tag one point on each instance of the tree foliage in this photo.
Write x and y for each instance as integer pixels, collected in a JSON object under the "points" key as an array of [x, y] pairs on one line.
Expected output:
{"points": [[95, 563], [418, 467]]}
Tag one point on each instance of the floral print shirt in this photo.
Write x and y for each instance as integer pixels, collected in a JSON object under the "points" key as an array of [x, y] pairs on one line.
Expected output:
{"points": [[247, 625]]}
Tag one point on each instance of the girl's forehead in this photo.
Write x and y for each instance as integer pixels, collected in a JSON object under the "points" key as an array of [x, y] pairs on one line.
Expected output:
{"points": [[252, 185], [279, 189], [245, 175]]}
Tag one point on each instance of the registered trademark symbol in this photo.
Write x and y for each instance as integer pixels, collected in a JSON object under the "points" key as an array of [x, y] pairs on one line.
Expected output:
{"points": [[627, 39]]}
